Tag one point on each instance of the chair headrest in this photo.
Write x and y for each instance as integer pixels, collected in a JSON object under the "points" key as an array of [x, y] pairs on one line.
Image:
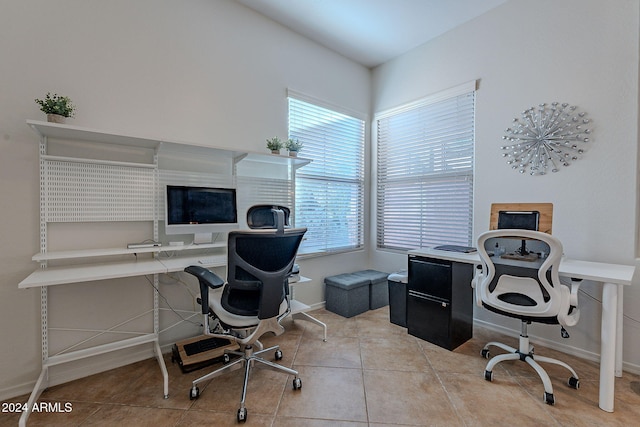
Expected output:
{"points": [[268, 216]]}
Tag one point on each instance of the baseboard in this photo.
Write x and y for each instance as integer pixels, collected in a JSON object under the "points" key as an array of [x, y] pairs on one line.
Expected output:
{"points": [[555, 345], [317, 305]]}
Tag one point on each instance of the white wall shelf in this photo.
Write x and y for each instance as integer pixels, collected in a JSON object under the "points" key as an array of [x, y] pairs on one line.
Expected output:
{"points": [[76, 133], [295, 162]]}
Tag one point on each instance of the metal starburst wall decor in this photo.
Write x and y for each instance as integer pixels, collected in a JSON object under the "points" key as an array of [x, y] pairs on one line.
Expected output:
{"points": [[545, 138]]}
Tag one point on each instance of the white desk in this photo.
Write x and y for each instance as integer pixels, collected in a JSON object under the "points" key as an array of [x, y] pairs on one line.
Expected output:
{"points": [[53, 276], [613, 278]]}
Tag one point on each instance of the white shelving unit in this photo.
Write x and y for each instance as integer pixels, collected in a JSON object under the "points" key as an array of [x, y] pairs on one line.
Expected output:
{"points": [[66, 182]]}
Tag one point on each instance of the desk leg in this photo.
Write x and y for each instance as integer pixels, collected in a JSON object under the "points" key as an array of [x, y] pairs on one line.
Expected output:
{"points": [[41, 384], [619, 330], [305, 316], [608, 341], [163, 368]]}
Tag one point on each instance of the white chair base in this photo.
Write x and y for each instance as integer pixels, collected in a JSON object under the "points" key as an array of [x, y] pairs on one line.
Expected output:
{"points": [[525, 353]]}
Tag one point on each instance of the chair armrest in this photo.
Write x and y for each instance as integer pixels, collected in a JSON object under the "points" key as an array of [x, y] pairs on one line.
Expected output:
{"points": [[475, 283], [207, 279], [570, 317], [203, 274], [575, 285]]}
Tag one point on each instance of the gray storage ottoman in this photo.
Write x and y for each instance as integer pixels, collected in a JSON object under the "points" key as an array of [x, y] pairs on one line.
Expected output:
{"points": [[347, 294], [378, 290]]}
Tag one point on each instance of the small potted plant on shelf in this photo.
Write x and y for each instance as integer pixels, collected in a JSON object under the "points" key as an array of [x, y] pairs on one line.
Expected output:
{"points": [[56, 107], [293, 145], [275, 144]]}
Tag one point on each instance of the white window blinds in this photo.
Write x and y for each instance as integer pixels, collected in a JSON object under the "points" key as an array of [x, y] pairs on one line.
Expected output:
{"points": [[425, 157], [329, 190]]}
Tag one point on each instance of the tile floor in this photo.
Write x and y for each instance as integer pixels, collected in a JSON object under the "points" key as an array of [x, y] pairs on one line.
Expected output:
{"points": [[369, 373]]}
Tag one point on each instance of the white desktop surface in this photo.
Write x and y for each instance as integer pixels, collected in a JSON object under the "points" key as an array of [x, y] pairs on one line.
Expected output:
{"points": [[89, 272], [613, 278]]}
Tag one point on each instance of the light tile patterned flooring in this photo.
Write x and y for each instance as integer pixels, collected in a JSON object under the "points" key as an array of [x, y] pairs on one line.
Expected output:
{"points": [[369, 373]]}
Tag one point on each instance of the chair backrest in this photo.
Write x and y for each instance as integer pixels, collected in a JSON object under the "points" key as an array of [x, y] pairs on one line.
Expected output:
{"points": [[259, 262], [508, 289]]}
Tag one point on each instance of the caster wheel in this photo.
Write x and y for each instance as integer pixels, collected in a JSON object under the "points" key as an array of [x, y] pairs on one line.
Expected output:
{"points": [[242, 415], [485, 353], [488, 375], [297, 383], [549, 399], [574, 383], [225, 358], [278, 355], [194, 393]]}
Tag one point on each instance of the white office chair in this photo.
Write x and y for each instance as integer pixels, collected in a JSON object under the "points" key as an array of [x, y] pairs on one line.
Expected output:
{"points": [[530, 293]]}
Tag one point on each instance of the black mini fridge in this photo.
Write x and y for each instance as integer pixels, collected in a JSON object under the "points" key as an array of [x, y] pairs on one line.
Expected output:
{"points": [[440, 301]]}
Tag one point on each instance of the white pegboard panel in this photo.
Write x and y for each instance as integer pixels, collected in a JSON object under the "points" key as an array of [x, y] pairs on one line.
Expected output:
{"points": [[85, 192]]}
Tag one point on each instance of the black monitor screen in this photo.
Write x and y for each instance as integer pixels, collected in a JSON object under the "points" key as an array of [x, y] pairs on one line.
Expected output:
{"points": [[201, 205], [519, 220]]}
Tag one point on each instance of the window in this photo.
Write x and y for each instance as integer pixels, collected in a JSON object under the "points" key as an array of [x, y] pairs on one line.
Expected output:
{"points": [[329, 190], [425, 156]]}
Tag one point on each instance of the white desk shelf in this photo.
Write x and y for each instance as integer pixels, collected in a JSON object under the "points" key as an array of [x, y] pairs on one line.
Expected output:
{"points": [[93, 253], [90, 272], [179, 263]]}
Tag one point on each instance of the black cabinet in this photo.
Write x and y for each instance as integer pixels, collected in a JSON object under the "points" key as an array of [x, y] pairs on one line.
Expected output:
{"points": [[440, 301]]}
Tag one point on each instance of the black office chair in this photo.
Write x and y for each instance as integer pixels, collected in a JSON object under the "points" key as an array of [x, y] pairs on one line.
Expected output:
{"points": [[504, 287], [253, 301]]}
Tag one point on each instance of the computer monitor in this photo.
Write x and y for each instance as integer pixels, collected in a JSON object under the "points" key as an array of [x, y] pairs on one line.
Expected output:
{"points": [[522, 220], [201, 211]]}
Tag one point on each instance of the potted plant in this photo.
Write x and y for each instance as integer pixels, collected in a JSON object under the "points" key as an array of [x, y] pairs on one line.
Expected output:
{"points": [[293, 145], [56, 107], [275, 144]]}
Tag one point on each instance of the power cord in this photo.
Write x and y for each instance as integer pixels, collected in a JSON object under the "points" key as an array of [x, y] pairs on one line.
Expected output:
{"points": [[588, 295], [169, 305], [185, 285]]}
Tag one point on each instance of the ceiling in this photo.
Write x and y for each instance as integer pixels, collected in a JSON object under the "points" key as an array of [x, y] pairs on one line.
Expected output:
{"points": [[371, 32]]}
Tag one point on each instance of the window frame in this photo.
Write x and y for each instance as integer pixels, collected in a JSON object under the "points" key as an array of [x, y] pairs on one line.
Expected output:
{"points": [[449, 94], [361, 198]]}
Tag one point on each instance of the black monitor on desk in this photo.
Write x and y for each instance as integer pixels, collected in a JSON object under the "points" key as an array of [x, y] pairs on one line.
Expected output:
{"points": [[522, 220]]}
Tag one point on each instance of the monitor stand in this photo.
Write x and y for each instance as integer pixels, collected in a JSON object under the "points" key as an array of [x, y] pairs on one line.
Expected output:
{"points": [[521, 254], [202, 238], [523, 248]]}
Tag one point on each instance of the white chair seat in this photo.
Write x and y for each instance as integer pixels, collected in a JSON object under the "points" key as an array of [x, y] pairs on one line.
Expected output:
{"points": [[235, 320]]}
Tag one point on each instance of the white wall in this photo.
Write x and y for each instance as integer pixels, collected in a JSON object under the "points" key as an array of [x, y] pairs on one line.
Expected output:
{"points": [[525, 53], [204, 71]]}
